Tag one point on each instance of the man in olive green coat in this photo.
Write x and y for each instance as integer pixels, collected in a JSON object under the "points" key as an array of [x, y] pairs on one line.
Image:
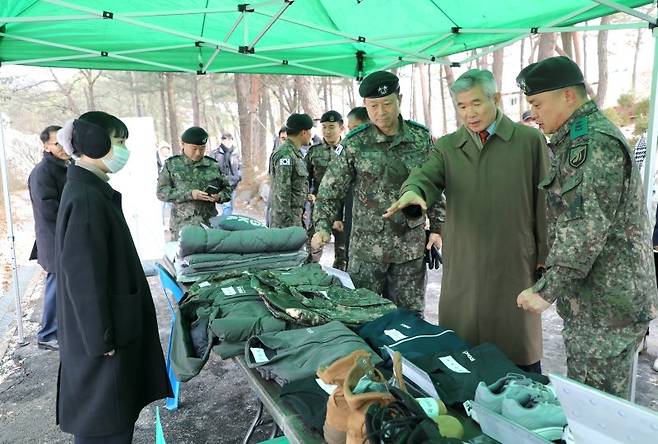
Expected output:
{"points": [[494, 237]]}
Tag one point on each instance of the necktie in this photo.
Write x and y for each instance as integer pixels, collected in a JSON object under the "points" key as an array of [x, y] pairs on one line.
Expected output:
{"points": [[484, 135]]}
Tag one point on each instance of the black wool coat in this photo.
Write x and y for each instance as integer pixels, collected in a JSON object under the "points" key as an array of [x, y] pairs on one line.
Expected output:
{"points": [[46, 183], [103, 304]]}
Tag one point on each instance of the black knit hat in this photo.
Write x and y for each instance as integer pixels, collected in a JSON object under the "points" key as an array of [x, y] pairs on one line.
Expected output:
{"points": [[195, 135], [331, 116], [379, 84], [298, 122]]}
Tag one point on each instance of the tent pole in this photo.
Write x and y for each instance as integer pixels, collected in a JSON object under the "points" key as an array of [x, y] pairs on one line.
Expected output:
{"points": [[630, 11], [10, 233], [652, 128]]}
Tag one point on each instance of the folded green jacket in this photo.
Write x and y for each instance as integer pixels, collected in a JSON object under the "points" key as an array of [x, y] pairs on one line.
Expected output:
{"points": [[313, 304]]}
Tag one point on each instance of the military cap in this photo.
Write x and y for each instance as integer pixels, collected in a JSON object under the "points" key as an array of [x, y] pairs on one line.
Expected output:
{"points": [[548, 75], [527, 114], [379, 84], [298, 122], [195, 135], [331, 116]]}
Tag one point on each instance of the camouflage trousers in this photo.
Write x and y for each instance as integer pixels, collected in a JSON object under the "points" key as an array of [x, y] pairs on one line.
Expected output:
{"points": [[602, 357], [403, 284], [340, 253]]}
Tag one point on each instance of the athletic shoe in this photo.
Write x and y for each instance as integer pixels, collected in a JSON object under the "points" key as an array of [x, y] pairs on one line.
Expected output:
{"points": [[541, 417], [512, 386]]}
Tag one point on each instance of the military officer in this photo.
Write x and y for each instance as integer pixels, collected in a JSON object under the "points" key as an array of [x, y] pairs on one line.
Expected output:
{"points": [[386, 256], [289, 175], [192, 182], [317, 160], [599, 269]]}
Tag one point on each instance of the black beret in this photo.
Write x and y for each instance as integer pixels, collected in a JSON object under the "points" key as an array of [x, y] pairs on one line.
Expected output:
{"points": [[379, 84], [90, 139], [195, 135], [548, 75], [298, 122], [331, 116]]}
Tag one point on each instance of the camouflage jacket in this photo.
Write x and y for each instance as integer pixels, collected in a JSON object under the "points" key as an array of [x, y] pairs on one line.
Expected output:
{"points": [[317, 161], [600, 267], [376, 165], [178, 177], [289, 186]]}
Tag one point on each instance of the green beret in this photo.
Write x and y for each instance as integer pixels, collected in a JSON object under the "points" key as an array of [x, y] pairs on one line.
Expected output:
{"points": [[548, 75], [195, 136], [331, 116], [298, 122], [379, 84]]}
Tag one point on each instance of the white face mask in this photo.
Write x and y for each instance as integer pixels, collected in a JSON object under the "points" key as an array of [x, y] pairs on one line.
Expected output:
{"points": [[117, 159]]}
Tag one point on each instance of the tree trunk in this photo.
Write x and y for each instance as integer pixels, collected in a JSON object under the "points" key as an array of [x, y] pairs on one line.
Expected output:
{"points": [[426, 88], [242, 93], [443, 99], [413, 102], [133, 90], [308, 96], [450, 79], [603, 63], [577, 50], [498, 61], [638, 40], [567, 43], [585, 52], [196, 120], [260, 147], [521, 66], [90, 81], [166, 134], [173, 120], [67, 91], [546, 46]]}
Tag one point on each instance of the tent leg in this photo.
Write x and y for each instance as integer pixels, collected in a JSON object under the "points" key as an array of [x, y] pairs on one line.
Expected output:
{"points": [[10, 233], [652, 129]]}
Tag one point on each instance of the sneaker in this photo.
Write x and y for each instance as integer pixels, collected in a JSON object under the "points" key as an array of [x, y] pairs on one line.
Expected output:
{"points": [[512, 386], [541, 417]]}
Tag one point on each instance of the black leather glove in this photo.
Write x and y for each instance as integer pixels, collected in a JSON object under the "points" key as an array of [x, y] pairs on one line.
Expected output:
{"points": [[433, 258]]}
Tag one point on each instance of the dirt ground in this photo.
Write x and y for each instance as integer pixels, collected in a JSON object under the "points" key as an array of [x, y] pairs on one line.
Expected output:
{"points": [[216, 406]]}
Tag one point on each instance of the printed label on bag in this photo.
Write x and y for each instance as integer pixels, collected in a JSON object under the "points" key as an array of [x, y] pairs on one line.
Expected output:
{"points": [[395, 335], [329, 388], [259, 354], [204, 284], [453, 365], [229, 291]]}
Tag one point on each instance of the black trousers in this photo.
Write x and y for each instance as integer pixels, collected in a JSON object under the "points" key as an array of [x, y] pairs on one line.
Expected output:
{"points": [[125, 437], [532, 368]]}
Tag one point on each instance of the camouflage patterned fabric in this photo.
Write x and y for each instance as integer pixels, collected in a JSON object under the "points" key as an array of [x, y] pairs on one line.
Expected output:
{"points": [[289, 186], [317, 161], [178, 177], [600, 265], [376, 165]]}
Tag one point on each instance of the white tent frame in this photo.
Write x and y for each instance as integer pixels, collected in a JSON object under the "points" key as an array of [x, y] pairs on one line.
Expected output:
{"points": [[248, 50]]}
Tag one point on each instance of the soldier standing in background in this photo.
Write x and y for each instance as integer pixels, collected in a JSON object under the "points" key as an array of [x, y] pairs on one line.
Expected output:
{"points": [[192, 182], [317, 160], [289, 175]]}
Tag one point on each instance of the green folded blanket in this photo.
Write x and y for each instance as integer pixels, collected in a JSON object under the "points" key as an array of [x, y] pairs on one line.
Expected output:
{"points": [[195, 239]]}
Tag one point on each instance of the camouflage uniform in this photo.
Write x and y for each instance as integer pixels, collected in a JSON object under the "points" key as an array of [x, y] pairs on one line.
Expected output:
{"points": [[317, 161], [178, 177], [289, 186], [599, 268], [386, 256]]}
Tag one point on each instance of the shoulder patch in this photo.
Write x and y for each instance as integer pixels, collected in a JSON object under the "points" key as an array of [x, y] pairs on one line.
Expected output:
{"points": [[285, 161], [418, 125], [577, 155], [358, 129], [579, 128]]}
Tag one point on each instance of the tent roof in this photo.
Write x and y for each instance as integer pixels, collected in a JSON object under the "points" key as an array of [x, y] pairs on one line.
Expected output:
{"points": [[315, 37]]}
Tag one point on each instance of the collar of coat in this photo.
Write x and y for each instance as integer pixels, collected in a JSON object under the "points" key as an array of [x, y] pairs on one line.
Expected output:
{"points": [[50, 157], [584, 110], [504, 130], [81, 174], [404, 133]]}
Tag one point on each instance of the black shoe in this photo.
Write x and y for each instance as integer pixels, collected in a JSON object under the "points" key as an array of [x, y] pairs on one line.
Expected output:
{"points": [[48, 345]]}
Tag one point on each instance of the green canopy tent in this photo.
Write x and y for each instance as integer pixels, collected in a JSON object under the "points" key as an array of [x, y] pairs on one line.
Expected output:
{"points": [[348, 38]]}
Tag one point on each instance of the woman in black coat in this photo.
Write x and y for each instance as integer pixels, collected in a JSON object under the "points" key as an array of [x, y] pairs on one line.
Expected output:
{"points": [[111, 361]]}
